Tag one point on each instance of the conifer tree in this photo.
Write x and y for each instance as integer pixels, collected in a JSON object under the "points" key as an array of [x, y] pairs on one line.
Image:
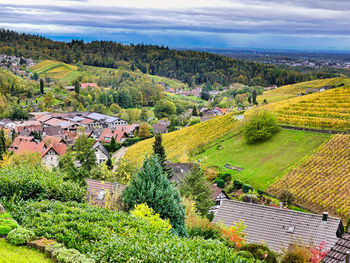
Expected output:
{"points": [[109, 163], [77, 87], [195, 186], [151, 186], [158, 149], [113, 145], [2, 144], [41, 86]]}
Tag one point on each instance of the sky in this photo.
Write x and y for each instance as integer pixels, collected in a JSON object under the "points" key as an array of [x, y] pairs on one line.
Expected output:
{"points": [[272, 24]]}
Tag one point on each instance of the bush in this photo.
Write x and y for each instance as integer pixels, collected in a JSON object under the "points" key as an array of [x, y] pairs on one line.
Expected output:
{"points": [[237, 184], [7, 223], [259, 127], [36, 182], [246, 188], [245, 254], [130, 141], [194, 121], [260, 252], [220, 183], [287, 197], [20, 236], [65, 255]]}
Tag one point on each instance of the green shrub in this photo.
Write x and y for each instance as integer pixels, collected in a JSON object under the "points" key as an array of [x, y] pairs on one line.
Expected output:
{"points": [[260, 252], [347, 224], [65, 255], [36, 182], [237, 184], [20, 236], [7, 223], [246, 188], [245, 254], [220, 183], [260, 126]]}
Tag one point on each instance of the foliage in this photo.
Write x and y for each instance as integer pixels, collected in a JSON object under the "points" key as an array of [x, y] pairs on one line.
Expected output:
{"points": [[260, 126], [151, 186], [65, 255], [35, 182], [164, 108], [246, 188], [158, 150], [194, 121], [287, 197], [108, 236], [20, 236], [11, 254], [113, 145], [260, 252], [7, 223], [195, 186], [220, 183], [327, 166], [144, 131], [85, 154], [158, 224], [180, 143]]}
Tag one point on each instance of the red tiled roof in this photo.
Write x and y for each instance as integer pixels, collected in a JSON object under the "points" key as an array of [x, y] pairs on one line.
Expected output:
{"points": [[52, 139], [44, 118], [54, 122], [59, 148], [86, 85], [109, 133], [86, 121], [127, 128], [26, 146]]}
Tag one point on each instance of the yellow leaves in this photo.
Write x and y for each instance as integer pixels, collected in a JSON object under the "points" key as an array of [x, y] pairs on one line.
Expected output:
{"points": [[179, 144]]}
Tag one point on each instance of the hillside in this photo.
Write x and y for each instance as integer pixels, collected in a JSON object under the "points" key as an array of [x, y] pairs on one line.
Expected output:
{"points": [[292, 91], [321, 110], [191, 67], [321, 182], [261, 163], [179, 144], [8, 79]]}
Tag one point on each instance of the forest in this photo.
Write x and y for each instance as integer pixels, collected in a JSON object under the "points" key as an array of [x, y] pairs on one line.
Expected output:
{"points": [[191, 67]]}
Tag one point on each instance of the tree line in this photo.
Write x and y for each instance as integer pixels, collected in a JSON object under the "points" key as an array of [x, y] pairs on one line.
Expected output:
{"points": [[191, 67]]}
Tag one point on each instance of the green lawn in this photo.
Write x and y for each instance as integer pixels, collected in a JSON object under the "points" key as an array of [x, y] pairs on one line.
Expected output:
{"points": [[262, 162], [14, 254]]}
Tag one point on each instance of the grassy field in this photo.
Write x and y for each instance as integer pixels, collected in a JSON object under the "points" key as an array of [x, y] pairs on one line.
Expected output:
{"points": [[291, 91], [321, 182], [54, 69], [13, 254], [179, 144], [262, 162], [172, 83]]}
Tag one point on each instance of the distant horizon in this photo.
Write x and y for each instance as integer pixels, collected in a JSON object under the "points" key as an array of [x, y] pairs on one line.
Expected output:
{"points": [[308, 25]]}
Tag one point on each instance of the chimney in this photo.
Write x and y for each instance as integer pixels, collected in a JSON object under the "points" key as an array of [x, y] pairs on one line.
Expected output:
{"points": [[325, 217]]}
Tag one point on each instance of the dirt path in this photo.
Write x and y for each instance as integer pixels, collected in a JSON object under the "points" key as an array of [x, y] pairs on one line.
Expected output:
{"points": [[118, 155]]}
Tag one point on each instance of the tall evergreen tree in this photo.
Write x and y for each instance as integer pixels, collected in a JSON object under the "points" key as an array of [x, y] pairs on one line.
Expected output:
{"points": [[13, 89], [195, 186], [77, 87], [113, 145], [151, 186], [41, 86], [2, 144], [158, 149], [254, 96], [109, 163]]}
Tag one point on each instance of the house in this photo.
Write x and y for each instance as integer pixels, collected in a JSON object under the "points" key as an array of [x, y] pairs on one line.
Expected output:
{"points": [[53, 131], [69, 88], [218, 196], [37, 115], [29, 125], [17, 141], [337, 254], [279, 227], [107, 134], [161, 126], [129, 129], [88, 85], [52, 153], [220, 112], [101, 153], [179, 170], [97, 191], [7, 124], [105, 121]]}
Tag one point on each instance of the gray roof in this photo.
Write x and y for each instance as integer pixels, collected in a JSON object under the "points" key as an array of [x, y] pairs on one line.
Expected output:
{"points": [[53, 130], [279, 227], [101, 117], [101, 147], [179, 170], [338, 253]]}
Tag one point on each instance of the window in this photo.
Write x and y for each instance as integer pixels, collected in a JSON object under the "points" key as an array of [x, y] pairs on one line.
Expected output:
{"points": [[217, 202], [101, 195]]}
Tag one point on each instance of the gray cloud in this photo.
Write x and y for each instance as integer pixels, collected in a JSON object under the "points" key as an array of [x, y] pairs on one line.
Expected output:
{"points": [[300, 18]]}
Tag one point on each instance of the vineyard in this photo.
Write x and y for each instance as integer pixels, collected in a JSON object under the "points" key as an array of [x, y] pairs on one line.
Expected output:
{"points": [[53, 69], [291, 91], [179, 144], [322, 110], [322, 181]]}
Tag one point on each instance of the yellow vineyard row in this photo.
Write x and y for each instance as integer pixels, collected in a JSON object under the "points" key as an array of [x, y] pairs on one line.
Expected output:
{"points": [[179, 144], [322, 182]]}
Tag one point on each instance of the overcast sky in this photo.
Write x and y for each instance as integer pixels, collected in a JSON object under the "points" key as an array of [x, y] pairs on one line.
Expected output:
{"points": [[275, 24]]}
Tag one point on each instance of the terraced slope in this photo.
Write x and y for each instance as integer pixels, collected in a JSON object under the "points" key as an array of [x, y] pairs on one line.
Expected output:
{"points": [[179, 144], [291, 91], [329, 110], [322, 181], [54, 69]]}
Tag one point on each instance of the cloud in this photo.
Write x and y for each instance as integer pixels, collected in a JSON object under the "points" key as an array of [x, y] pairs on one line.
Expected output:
{"points": [[224, 19]]}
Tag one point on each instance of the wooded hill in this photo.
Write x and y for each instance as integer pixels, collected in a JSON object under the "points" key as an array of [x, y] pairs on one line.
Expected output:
{"points": [[191, 67]]}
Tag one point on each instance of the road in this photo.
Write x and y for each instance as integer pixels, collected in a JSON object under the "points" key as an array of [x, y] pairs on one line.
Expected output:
{"points": [[118, 155]]}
